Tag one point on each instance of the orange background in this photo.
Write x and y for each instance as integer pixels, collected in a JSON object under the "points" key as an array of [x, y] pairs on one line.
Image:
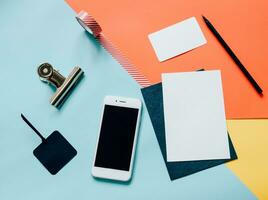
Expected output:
{"points": [[242, 23]]}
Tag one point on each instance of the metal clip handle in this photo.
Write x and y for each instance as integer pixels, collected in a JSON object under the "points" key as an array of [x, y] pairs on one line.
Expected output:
{"points": [[50, 75]]}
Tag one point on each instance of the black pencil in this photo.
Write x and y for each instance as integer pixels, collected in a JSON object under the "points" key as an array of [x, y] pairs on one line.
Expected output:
{"points": [[233, 56]]}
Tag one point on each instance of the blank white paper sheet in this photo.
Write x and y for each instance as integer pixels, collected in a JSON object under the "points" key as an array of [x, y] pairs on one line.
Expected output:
{"points": [[195, 120], [177, 39]]}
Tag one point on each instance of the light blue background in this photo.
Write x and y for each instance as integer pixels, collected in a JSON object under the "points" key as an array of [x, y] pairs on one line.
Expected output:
{"points": [[32, 32]]}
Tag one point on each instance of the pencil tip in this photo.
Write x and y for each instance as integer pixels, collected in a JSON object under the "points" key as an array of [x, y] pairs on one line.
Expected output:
{"points": [[204, 18]]}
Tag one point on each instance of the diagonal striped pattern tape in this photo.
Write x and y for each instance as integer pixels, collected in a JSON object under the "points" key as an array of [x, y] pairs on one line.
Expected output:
{"points": [[91, 26]]}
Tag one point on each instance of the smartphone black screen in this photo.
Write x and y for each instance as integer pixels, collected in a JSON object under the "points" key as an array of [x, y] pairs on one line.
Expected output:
{"points": [[116, 138]]}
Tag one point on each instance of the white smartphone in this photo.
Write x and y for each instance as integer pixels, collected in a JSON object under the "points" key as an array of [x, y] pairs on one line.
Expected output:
{"points": [[115, 149]]}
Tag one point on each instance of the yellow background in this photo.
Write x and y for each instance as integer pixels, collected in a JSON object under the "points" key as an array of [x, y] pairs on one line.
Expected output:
{"points": [[250, 138]]}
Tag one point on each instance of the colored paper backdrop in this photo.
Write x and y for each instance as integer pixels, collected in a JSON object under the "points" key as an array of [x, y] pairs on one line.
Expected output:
{"points": [[33, 32], [242, 23], [250, 138]]}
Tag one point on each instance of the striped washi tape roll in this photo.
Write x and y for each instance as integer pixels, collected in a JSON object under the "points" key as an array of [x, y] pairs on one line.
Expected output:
{"points": [[91, 26]]}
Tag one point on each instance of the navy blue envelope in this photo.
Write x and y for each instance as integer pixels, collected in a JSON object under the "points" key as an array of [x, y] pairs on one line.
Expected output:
{"points": [[153, 98]]}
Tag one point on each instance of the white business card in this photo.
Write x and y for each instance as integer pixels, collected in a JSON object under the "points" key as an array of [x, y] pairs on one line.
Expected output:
{"points": [[177, 39]]}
